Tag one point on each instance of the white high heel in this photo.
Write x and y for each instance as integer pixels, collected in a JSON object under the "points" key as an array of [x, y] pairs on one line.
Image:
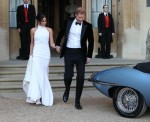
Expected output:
{"points": [[38, 102]]}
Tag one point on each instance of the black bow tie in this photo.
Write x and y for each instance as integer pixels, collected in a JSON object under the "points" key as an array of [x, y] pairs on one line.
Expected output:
{"points": [[78, 23]]}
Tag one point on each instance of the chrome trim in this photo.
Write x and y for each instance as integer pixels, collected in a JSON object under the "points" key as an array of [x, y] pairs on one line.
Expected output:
{"points": [[102, 83]]}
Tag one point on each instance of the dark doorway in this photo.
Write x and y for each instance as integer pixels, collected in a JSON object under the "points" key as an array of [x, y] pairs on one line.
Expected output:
{"points": [[57, 11], [47, 7]]}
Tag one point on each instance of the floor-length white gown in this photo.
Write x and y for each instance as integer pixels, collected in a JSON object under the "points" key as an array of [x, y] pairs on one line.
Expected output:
{"points": [[36, 82]]}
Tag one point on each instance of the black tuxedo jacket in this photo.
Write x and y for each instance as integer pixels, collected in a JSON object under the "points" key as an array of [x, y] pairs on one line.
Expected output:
{"points": [[102, 24], [21, 16], [86, 35]]}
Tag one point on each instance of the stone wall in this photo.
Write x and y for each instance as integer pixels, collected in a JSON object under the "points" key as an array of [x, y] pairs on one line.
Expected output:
{"points": [[4, 30], [133, 28]]}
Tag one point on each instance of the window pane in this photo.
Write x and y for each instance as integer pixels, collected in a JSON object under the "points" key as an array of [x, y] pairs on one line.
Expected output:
{"points": [[19, 2], [13, 19], [12, 5], [100, 4]]}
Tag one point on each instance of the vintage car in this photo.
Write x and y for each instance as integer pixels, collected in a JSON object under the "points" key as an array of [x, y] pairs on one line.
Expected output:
{"points": [[128, 87]]}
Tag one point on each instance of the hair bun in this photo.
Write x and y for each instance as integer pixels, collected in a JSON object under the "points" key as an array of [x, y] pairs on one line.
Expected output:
{"points": [[40, 17]]}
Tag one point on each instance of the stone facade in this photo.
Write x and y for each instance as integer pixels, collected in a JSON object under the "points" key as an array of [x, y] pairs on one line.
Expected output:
{"points": [[4, 30], [131, 18]]}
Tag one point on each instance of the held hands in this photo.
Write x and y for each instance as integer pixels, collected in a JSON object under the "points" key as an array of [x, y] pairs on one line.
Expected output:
{"points": [[58, 49]]}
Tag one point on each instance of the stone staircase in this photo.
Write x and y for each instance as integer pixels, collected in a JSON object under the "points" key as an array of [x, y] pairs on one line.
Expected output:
{"points": [[12, 74]]}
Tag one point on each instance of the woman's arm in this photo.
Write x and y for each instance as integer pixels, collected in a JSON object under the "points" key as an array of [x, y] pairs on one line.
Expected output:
{"points": [[51, 40]]}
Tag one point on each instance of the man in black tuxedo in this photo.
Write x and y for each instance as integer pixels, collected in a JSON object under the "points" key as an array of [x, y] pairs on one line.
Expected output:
{"points": [[77, 33], [106, 31], [25, 21]]}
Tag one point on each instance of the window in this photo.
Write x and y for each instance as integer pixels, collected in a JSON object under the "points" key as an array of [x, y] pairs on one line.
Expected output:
{"points": [[12, 11], [97, 8]]}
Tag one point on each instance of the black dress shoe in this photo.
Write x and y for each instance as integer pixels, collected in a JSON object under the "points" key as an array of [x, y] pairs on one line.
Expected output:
{"points": [[78, 106], [19, 57], [65, 97], [110, 56]]}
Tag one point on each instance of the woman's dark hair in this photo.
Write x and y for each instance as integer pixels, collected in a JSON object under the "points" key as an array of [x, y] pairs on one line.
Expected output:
{"points": [[40, 17]]}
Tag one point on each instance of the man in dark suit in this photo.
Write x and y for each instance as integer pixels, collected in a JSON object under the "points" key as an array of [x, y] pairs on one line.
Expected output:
{"points": [[77, 33], [106, 31], [25, 21]]}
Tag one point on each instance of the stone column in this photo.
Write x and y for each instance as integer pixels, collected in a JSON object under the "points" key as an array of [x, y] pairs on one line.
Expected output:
{"points": [[4, 30], [129, 29], [84, 3], [88, 10], [35, 3]]}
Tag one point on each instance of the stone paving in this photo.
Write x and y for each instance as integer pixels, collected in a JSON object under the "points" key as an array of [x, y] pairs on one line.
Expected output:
{"points": [[96, 108]]}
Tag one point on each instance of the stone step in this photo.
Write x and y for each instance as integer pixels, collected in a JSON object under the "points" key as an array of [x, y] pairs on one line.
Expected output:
{"points": [[52, 71], [53, 78], [55, 85], [12, 73]]}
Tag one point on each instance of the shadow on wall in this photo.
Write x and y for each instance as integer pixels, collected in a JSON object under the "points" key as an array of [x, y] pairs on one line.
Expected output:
{"points": [[148, 45]]}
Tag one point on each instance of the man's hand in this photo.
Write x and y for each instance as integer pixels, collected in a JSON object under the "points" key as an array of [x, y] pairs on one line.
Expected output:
{"points": [[113, 34], [19, 30], [88, 60], [100, 34], [58, 49]]}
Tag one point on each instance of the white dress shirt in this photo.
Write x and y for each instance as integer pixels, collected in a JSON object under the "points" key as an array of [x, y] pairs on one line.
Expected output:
{"points": [[26, 5], [74, 36], [105, 13]]}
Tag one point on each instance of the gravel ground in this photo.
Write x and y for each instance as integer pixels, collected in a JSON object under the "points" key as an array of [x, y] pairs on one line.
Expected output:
{"points": [[96, 108]]}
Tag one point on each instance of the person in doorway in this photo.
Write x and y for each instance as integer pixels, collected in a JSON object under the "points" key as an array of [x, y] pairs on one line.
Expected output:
{"points": [[77, 33], [106, 31], [36, 82], [25, 21]]}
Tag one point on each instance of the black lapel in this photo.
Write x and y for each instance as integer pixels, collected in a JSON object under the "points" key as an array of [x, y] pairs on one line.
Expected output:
{"points": [[28, 9], [22, 8], [69, 23], [84, 26], [22, 11]]}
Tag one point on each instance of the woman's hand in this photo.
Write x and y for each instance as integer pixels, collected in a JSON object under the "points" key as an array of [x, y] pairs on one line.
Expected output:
{"points": [[53, 46]]}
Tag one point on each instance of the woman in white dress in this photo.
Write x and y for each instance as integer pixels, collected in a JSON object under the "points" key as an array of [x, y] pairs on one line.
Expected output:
{"points": [[36, 82]]}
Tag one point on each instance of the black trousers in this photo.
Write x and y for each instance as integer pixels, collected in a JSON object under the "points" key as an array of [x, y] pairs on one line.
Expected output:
{"points": [[106, 42], [74, 57], [25, 41]]}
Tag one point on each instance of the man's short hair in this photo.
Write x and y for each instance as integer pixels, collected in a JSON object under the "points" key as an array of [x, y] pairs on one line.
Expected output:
{"points": [[80, 10], [105, 5]]}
